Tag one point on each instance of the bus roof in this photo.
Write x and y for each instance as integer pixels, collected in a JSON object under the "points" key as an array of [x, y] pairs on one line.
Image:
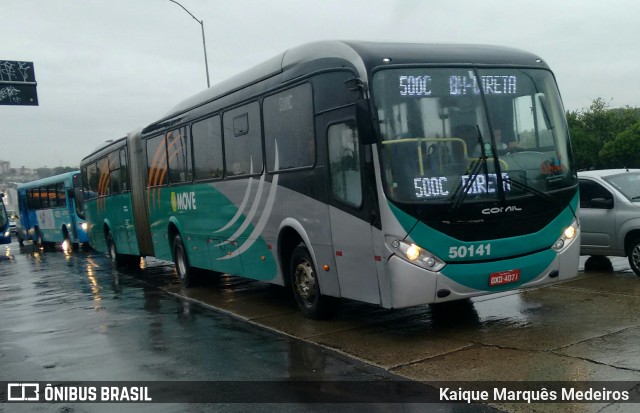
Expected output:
{"points": [[107, 144], [360, 56], [47, 181]]}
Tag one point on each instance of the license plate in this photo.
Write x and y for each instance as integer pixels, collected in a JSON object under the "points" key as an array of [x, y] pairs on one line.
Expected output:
{"points": [[504, 277]]}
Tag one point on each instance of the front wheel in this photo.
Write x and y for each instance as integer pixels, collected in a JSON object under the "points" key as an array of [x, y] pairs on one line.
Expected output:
{"points": [[181, 260], [634, 256], [306, 289]]}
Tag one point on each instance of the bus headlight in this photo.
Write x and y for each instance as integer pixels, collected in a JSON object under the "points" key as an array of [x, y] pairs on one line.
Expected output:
{"points": [[568, 234], [415, 254], [84, 226]]}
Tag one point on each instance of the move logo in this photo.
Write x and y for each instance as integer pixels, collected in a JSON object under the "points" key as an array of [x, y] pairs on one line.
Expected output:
{"points": [[183, 201]]}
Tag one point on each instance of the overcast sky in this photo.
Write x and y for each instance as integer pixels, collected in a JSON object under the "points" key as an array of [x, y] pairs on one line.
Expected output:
{"points": [[106, 67]]}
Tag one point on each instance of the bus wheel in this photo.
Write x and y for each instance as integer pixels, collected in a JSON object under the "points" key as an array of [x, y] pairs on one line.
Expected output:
{"points": [[20, 240], [113, 252], [306, 290], [180, 258]]}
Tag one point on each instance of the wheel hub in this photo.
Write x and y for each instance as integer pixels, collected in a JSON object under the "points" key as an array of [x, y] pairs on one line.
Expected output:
{"points": [[305, 281]]}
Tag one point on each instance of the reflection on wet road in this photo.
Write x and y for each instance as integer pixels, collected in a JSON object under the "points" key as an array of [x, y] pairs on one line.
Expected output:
{"points": [[72, 316]]}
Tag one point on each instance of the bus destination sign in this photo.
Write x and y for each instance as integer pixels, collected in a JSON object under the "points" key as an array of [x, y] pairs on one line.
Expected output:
{"points": [[17, 83]]}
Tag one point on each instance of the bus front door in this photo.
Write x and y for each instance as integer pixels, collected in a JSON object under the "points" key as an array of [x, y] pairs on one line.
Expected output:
{"points": [[351, 230]]}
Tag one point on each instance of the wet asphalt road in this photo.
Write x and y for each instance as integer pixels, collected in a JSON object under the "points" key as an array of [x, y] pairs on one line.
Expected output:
{"points": [[73, 317]]}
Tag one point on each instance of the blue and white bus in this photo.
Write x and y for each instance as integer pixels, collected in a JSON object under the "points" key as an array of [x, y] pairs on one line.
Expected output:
{"points": [[50, 212], [394, 174]]}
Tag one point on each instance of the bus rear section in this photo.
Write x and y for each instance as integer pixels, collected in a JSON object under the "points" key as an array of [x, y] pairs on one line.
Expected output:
{"points": [[108, 177], [51, 211]]}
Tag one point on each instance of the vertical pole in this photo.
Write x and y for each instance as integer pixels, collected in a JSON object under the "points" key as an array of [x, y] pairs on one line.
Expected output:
{"points": [[204, 46]]}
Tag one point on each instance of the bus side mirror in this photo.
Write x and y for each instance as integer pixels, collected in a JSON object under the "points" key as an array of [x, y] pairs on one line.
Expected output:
{"points": [[364, 123]]}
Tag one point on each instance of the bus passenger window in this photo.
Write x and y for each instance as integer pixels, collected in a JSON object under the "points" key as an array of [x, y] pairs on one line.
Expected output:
{"points": [[156, 161], [207, 149], [104, 187], [61, 195], [288, 122], [344, 164], [179, 154], [124, 170], [243, 141]]}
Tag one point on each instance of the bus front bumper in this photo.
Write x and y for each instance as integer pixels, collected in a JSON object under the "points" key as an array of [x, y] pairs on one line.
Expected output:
{"points": [[411, 285]]}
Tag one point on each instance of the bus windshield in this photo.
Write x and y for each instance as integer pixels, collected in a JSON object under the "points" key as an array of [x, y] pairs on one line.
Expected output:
{"points": [[472, 134]]}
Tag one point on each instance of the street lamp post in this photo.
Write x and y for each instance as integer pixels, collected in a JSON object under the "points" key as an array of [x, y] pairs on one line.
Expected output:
{"points": [[206, 65]]}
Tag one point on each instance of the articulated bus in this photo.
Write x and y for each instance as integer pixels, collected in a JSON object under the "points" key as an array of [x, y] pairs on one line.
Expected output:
{"points": [[393, 174], [5, 230], [50, 211]]}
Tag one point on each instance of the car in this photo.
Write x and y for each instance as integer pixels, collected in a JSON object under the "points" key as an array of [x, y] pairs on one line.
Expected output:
{"points": [[610, 214]]}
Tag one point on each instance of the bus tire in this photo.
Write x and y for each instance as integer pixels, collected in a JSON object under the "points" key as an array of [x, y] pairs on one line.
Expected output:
{"points": [[185, 273], [116, 258], [306, 289], [20, 240]]}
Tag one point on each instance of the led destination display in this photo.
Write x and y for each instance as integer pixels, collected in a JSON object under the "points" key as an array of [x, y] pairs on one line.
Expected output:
{"points": [[456, 84]]}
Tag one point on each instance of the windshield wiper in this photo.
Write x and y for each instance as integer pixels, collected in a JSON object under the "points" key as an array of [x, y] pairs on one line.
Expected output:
{"points": [[531, 190], [482, 162], [540, 194]]}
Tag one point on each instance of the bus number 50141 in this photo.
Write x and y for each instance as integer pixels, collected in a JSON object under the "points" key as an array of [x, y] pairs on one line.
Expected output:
{"points": [[464, 251]]}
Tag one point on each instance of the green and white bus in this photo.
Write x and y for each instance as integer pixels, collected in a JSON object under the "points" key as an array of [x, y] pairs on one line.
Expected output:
{"points": [[393, 174]]}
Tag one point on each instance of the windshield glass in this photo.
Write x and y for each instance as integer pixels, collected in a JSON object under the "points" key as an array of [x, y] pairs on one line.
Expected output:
{"points": [[444, 140], [628, 184]]}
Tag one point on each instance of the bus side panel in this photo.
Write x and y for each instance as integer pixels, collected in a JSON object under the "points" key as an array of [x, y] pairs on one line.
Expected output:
{"points": [[121, 220], [95, 215], [216, 233], [50, 223], [308, 218], [111, 215]]}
